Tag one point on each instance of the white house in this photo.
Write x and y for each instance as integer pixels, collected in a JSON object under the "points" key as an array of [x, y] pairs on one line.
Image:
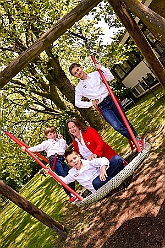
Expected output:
{"points": [[135, 72]]}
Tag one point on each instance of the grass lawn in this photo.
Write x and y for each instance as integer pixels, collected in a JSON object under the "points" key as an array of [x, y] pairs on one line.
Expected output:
{"points": [[147, 117], [20, 230]]}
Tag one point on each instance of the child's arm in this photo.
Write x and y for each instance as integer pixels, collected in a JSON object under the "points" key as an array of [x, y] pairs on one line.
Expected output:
{"points": [[103, 163], [92, 157], [78, 98], [60, 136], [37, 148], [107, 73], [63, 143], [67, 179]]}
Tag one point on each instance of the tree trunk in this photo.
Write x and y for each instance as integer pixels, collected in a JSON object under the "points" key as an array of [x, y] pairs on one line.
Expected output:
{"points": [[152, 20], [31, 209], [123, 13], [46, 40], [63, 84], [158, 7]]}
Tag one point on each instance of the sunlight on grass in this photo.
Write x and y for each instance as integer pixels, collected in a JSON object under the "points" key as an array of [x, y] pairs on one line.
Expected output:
{"points": [[19, 229], [146, 117]]}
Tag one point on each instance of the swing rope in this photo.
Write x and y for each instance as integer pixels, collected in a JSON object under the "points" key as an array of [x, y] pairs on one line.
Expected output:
{"points": [[116, 180], [110, 93], [49, 171], [105, 189]]}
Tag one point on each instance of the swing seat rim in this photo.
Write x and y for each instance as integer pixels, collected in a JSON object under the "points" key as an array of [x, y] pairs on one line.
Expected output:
{"points": [[118, 179]]}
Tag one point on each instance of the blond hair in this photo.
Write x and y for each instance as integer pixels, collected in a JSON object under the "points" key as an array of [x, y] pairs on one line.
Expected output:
{"points": [[50, 129]]}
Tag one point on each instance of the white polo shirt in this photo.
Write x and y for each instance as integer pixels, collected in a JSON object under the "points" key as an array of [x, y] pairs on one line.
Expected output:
{"points": [[92, 88], [51, 147], [88, 172]]}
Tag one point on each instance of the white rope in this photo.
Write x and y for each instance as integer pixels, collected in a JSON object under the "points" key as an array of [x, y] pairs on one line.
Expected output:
{"points": [[118, 179]]}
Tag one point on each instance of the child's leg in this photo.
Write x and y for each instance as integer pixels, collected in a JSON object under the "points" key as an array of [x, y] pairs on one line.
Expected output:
{"points": [[61, 169], [116, 165], [115, 110], [112, 116]]}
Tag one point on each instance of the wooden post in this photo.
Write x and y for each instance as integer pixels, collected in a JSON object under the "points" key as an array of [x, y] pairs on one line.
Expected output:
{"points": [[31, 209], [46, 40], [132, 27], [153, 21]]}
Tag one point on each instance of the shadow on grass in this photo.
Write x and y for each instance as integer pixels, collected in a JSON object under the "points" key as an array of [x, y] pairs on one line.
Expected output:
{"points": [[145, 116], [20, 229], [134, 212], [139, 232]]}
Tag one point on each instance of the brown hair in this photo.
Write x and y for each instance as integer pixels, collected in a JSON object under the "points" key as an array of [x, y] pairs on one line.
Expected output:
{"points": [[78, 124], [49, 129], [68, 152], [73, 66]]}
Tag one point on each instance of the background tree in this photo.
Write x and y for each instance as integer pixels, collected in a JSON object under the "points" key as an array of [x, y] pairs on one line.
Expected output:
{"points": [[41, 94], [43, 80], [43, 86]]}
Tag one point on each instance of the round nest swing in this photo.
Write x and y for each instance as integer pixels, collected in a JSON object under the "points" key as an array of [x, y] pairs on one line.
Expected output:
{"points": [[118, 179], [134, 159]]}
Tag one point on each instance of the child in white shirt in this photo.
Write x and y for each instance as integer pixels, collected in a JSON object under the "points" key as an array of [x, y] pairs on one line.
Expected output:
{"points": [[91, 86], [55, 148], [91, 174]]}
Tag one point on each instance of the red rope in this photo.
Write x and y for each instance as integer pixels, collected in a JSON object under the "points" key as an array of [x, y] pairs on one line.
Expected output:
{"points": [[118, 107], [54, 162], [50, 172]]}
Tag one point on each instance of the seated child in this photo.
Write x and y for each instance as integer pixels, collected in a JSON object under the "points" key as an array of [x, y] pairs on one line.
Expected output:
{"points": [[91, 174], [55, 148]]}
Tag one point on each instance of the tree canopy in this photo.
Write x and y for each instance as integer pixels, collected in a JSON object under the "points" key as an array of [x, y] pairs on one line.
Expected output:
{"points": [[42, 93], [37, 48]]}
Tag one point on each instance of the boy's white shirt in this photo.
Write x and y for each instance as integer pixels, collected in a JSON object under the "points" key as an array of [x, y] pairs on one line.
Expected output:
{"points": [[51, 147], [92, 88], [88, 172]]}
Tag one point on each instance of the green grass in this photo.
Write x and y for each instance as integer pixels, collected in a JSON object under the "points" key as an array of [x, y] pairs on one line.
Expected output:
{"points": [[146, 117], [20, 230]]}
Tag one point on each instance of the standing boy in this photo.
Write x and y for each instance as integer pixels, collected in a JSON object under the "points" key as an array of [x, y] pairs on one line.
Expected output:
{"points": [[92, 87], [55, 148], [91, 174]]}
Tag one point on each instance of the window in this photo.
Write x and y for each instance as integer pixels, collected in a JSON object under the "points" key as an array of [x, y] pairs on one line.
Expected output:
{"points": [[159, 48], [147, 82], [139, 88], [135, 92], [119, 72], [149, 36], [144, 85], [126, 67], [134, 58]]}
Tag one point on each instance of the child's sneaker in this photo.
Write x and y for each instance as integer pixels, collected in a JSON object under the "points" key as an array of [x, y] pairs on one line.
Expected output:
{"points": [[72, 199], [141, 143]]}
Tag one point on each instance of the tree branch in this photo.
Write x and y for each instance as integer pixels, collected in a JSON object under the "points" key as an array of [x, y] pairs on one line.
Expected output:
{"points": [[46, 40]]}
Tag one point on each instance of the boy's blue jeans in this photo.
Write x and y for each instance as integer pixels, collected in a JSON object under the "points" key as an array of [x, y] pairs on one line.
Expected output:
{"points": [[116, 165], [112, 116], [61, 169]]}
